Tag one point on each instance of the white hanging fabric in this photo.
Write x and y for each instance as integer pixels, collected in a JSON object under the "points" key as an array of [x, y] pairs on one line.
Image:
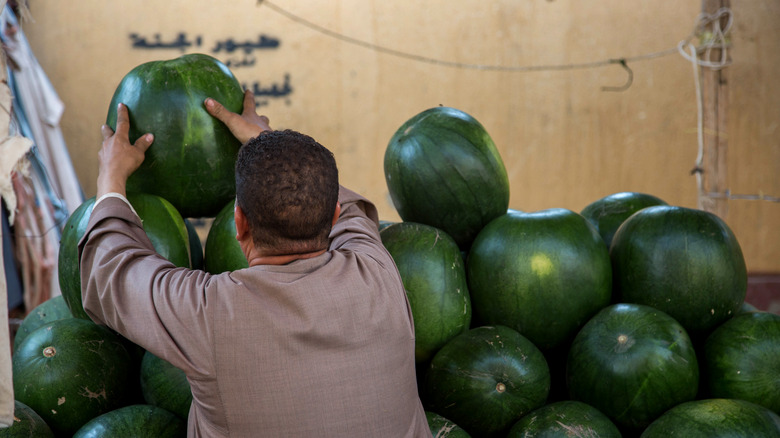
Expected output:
{"points": [[10, 151], [43, 109], [37, 181]]}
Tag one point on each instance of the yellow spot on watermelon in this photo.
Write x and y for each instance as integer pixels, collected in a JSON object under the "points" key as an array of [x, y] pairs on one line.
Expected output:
{"points": [[541, 264]]}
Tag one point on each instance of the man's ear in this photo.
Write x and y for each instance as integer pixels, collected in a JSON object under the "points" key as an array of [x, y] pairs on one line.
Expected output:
{"points": [[336, 214], [242, 224]]}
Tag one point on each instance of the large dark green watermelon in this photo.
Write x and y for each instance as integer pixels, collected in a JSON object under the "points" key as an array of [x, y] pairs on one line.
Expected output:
{"points": [[26, 424], [165, 386], [443, 169], [742, 359], [607, 213], [543, 273], [134, 421], [50, 310], [632, 363], [70, 371], [567, 418], [191, 162], [434, 277], [161, 221], [715, 418], [485, 379], [222, 253], [683, 261]]}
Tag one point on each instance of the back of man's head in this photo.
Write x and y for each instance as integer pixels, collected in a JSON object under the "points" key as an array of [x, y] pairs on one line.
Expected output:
{"points": [[287, 186]]}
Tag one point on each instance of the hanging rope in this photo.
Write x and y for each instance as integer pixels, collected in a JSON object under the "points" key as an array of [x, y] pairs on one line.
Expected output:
{"points": [[622, 61], [713, 35]]}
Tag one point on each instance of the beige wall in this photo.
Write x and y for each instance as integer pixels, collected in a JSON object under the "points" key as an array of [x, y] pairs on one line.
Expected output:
{"points": [[565, 141]]}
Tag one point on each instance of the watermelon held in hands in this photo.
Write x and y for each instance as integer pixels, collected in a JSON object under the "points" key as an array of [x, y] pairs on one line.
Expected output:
{"points": [[138, 420], [70, 371], [222, 253], [442, 169], [485, 379], [715, 418], [632, 362], [434, 277], [683, 261], [742, 359], [162, 223], [543, 273], [191, 161], [607, 213]]}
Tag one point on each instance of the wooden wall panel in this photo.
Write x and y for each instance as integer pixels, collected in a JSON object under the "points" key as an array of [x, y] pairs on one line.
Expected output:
{"points": [[565, 141]]}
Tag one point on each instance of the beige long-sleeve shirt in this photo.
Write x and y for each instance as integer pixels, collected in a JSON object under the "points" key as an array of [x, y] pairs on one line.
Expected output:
{"points": [[318, 347]]}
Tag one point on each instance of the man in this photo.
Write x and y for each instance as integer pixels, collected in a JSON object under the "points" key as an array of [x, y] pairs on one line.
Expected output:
{"points": [[315, 338]]}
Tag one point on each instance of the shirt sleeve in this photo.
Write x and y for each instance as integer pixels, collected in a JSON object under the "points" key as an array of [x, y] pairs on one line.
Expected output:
{"points": [[358, 221], [127, 286], [115, 195]]}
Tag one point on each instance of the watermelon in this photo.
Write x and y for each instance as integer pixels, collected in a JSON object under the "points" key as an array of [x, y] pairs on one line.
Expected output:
{"points": [[191, 162], [161, 221], [222, 252], [542, 273], [683, 261], [562, 419], [50, 310], [747, 308], [442, 169], [384, 224], [607, 213], [70, 371], [742, 359], [434, 277], [485, 379], [165, 386], [26, 424], [632, 362], [196, 246], [715, 418], [68, 257], [444, 428], [134, 421]]}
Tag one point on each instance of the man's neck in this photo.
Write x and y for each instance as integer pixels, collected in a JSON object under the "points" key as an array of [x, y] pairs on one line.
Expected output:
{"points": [[282, 259]]}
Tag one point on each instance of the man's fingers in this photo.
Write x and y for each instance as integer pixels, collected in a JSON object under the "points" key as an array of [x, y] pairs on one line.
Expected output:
{"points": [[122, 120], [217, 110], [106, 131], [144, 142], [249, 102]]}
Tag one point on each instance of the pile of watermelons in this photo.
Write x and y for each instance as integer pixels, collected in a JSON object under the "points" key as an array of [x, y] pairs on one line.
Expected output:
{"points": [[624, 319]]}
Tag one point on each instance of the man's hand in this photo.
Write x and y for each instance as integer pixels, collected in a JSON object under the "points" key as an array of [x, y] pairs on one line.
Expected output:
{"points": [[117, 157], [245, 126]]}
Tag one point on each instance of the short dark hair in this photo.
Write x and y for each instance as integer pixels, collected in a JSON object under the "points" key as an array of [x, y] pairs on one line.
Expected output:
{"points": [[287, 186]]}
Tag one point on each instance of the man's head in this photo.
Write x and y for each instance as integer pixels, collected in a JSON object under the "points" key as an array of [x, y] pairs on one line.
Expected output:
{"points": [[287, 187]]}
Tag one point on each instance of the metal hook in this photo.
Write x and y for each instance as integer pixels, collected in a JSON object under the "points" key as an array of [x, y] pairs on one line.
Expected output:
{"points": [[629, 81]]}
